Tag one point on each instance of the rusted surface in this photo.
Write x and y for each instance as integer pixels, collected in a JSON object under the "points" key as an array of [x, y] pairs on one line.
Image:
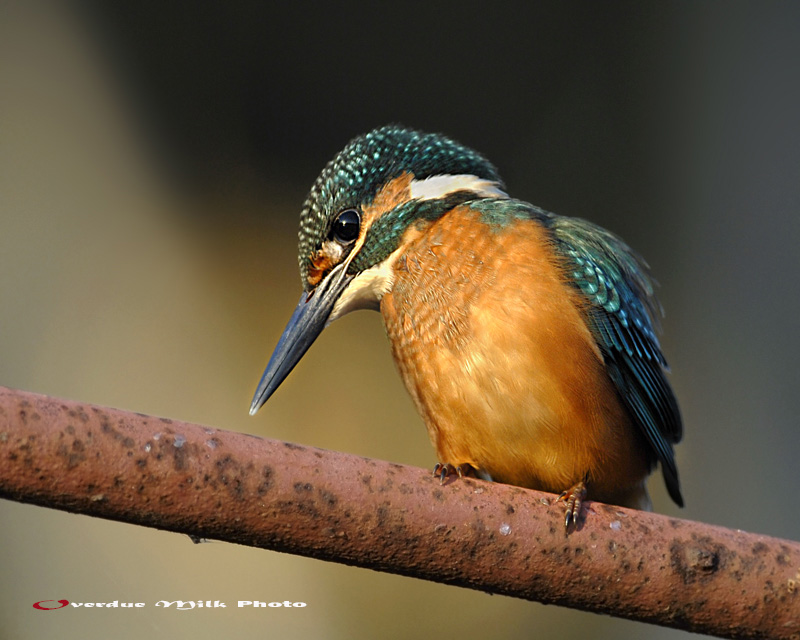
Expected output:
{"points": [[229, 486]]}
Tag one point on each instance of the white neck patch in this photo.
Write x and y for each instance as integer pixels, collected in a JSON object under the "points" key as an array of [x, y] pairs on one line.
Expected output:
{"points": [[366, 289], [439, 186]]}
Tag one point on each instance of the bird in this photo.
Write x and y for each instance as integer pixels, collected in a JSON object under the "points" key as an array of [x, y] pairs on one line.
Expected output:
{"points": [[526, 340]]}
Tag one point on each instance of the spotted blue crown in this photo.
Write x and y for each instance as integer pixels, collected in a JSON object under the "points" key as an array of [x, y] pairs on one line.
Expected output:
{"points": [[356, 173]]}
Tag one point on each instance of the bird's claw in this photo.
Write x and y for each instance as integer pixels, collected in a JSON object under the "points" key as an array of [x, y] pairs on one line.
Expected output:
{"points": [[444, 470], [574, 498]]}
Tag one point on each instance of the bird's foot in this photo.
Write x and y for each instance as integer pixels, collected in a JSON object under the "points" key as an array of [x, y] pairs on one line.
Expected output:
{"points": [[443, 471], [574, 498]]}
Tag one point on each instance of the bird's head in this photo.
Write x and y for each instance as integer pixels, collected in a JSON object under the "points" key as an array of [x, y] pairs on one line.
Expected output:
{"points": [[354, 220]]}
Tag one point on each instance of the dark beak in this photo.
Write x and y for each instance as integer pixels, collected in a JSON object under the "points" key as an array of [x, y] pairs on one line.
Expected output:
{"points": [[307, 322]]}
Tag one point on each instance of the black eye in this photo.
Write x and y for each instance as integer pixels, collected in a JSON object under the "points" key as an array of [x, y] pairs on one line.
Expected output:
{"points": [[346, 226]]}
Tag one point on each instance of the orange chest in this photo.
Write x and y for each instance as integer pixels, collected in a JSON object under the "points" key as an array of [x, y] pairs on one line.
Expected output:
{"points": [[493, 346], [461, 284]]}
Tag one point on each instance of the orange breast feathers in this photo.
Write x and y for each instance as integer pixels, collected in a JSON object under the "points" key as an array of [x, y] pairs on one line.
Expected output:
{"points": [[493, 346]]}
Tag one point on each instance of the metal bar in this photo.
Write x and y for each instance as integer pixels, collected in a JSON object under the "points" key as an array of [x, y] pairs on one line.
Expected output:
{"points": [[229, 486]]}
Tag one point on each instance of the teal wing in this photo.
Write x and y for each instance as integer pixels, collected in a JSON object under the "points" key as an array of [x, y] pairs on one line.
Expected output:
{"points": [[623, 316]]}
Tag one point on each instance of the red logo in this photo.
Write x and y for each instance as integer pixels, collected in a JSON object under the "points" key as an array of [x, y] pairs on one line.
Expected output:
{"points": [[41, 603]]}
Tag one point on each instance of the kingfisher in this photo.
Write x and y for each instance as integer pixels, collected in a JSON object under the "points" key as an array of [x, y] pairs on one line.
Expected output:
{"points": [[527, 340]]}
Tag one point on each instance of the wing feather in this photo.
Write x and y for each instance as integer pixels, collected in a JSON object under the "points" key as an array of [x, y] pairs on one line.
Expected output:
{"points": [[623, 317]]}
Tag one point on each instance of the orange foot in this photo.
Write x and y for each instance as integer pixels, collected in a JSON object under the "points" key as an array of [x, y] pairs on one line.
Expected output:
{"points": [[447, 469], [574, 498]]}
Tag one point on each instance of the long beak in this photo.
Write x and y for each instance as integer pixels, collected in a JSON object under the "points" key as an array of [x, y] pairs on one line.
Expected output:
{"points": [[307, 322]]}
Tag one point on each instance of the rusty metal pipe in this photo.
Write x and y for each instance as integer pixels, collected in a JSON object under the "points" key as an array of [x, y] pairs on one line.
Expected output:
{"points": [[334, 506]]}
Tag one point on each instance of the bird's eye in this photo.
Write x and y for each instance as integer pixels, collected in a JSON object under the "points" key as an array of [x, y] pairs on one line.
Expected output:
{"points": [[346, 226]]}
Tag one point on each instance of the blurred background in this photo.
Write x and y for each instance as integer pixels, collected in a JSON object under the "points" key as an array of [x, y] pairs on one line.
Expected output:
{"points": [[153, 160]]}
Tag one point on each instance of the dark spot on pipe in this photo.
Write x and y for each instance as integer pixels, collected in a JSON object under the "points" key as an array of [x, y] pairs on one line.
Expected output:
{"points": [[78, 413], [759, 548], [236, 488], [693, 562], [231, 474], [75, 453], [329, 498], [288, 508], [383, 515], [106, 427], [303, 487], [266, 480], [166, 420], [294, 447]]}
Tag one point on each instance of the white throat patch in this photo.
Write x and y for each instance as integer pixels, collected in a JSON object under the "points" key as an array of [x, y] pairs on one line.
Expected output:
{"points": [[366, 289]]}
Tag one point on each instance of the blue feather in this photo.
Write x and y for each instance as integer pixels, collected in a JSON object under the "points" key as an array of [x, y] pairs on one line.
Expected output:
{"points": [[623, 318]]}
